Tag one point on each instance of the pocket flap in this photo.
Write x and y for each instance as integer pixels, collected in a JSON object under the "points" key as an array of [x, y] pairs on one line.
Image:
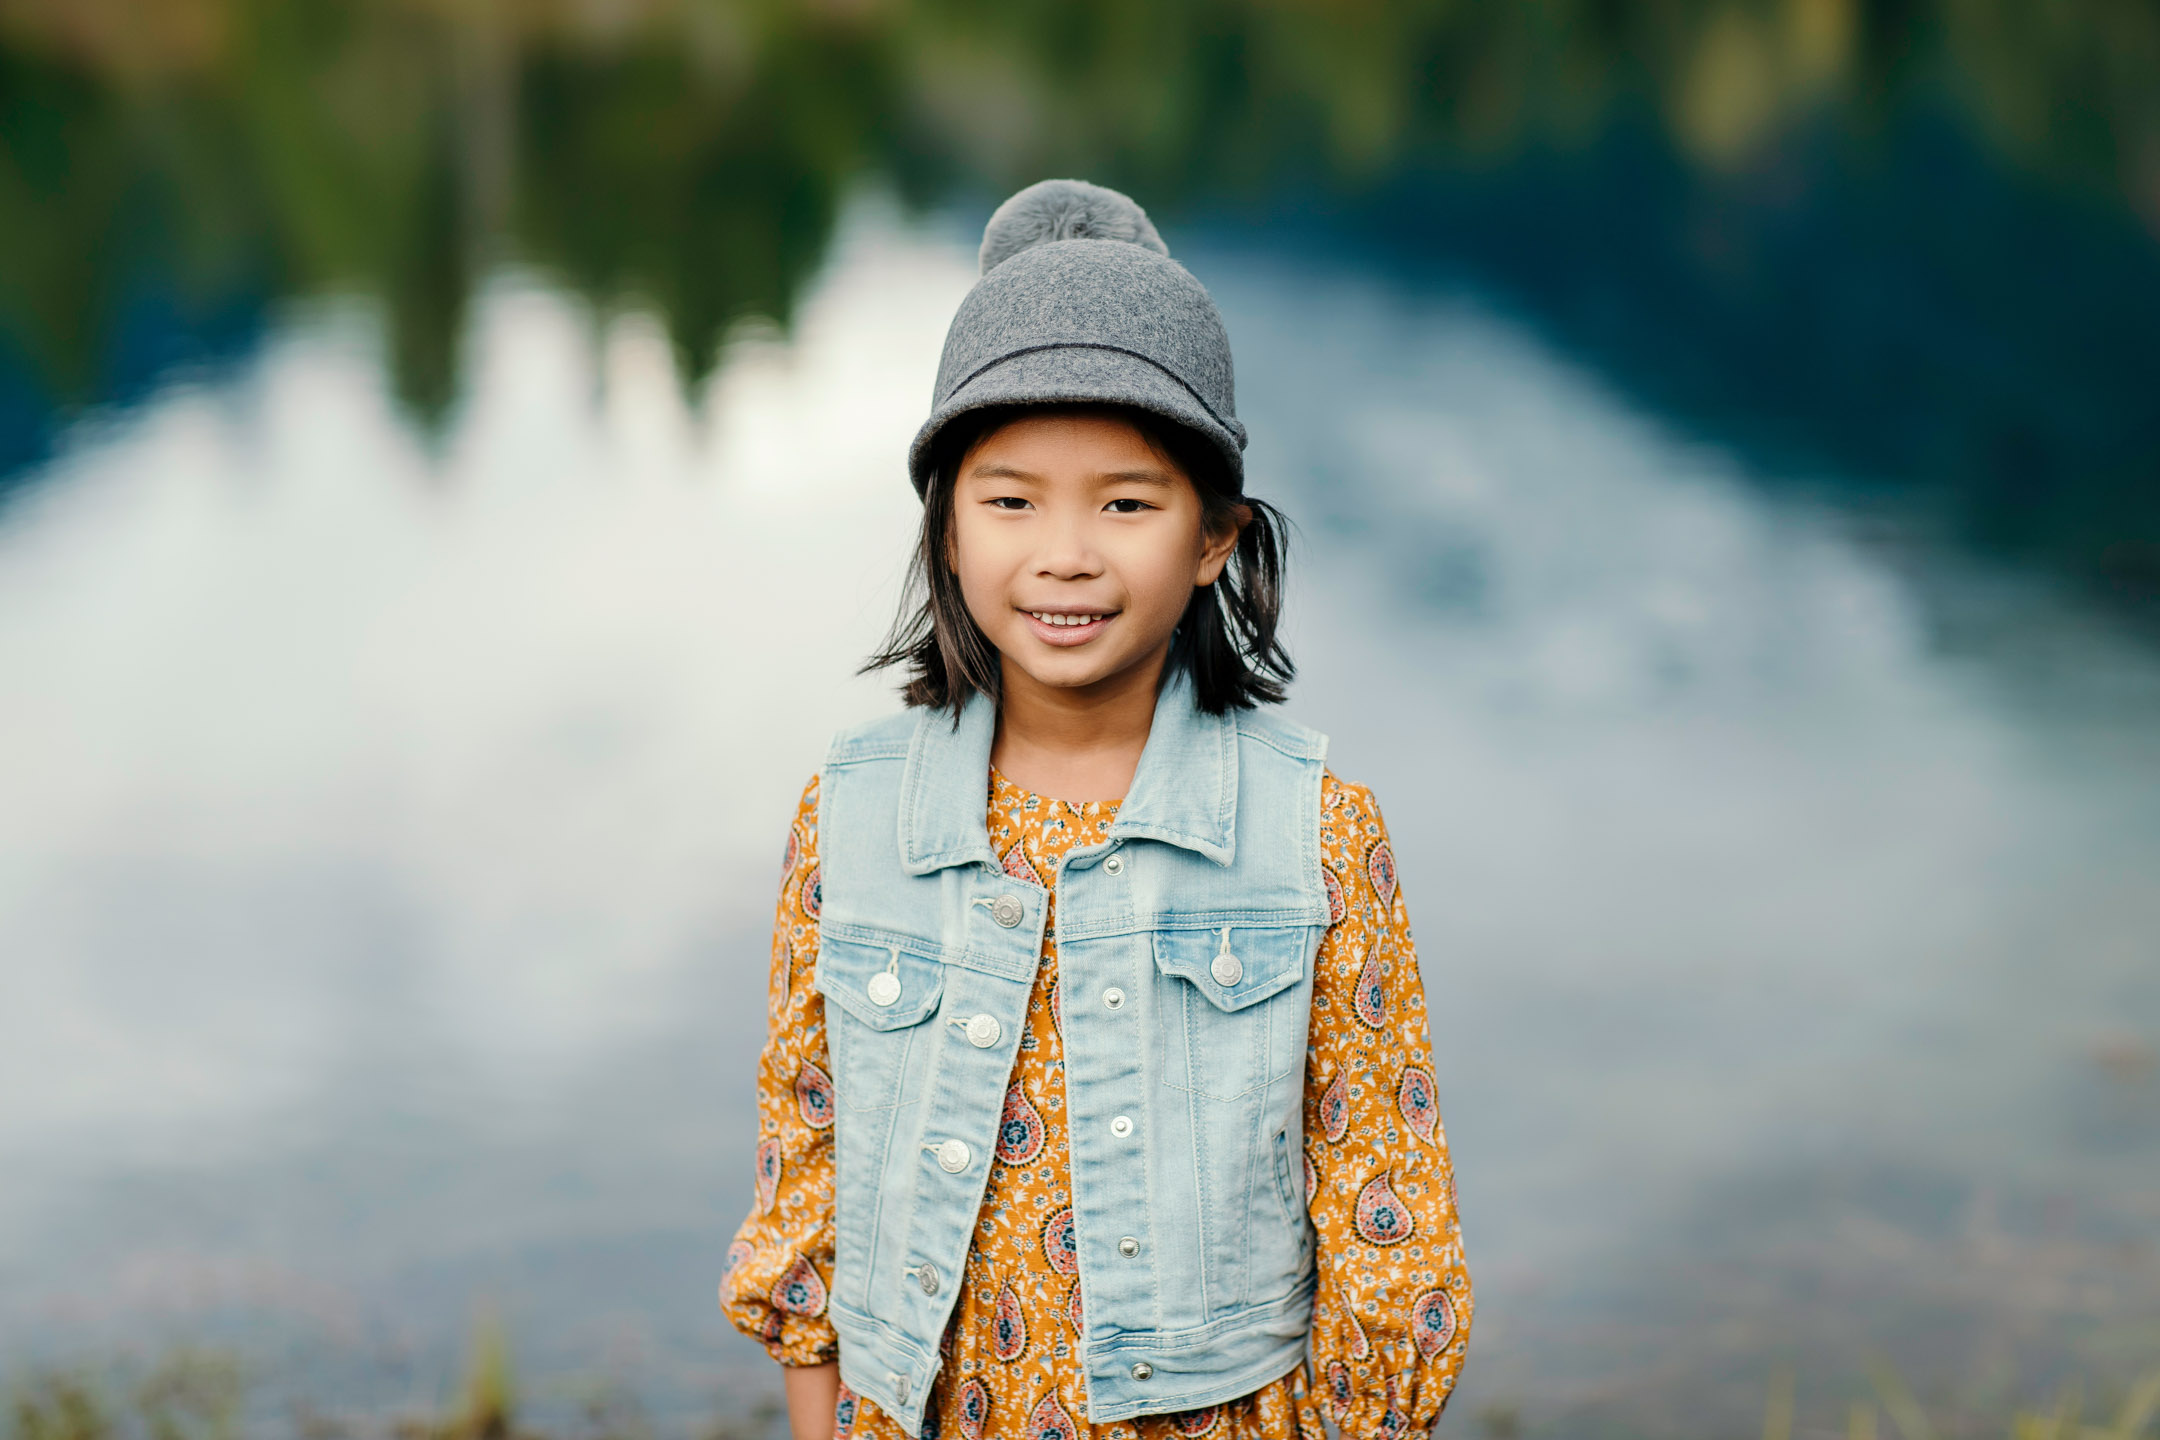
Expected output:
{"points": [[1263, 960], [856, 975]]}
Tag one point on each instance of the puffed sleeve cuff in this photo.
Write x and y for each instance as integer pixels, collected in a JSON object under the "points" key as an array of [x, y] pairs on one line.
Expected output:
{"points": [[1391, 1385], [779, 1301]]}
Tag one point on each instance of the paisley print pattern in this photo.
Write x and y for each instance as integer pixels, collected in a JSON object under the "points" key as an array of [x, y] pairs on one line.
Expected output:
{"points": [[1021, 1282], [1335, 1107], [1382, 1218], [1419, 1101], [1432, 1322], [799, 1290], [1380, 865], [1020, 1130], [1369, 1001], [1342, 1393], [1008, 1326], [1392, 1420], [1360, 1342], [813, 892], [1018, 865], [1060, 1245], [971, 1409], [814, 1096], [789, 854], [1050, 1420], [768, 1173], [783, 982]]}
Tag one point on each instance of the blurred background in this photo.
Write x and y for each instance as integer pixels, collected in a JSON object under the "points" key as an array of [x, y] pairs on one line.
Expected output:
{"points": [[451, 462]]}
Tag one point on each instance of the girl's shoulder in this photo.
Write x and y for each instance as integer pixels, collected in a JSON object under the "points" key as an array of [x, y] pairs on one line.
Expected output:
{"points": [[1351, 830], [1346, 801]]}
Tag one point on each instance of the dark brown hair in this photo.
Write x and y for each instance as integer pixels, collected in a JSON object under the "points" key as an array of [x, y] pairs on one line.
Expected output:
{"points": [[1226, 640]]}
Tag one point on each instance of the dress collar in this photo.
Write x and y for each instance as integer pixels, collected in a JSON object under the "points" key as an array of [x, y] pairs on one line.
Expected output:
{"points": [[1184, 793]]}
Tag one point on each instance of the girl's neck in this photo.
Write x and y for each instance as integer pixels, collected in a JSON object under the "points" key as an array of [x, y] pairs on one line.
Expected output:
{"points": [[1076, 744]]}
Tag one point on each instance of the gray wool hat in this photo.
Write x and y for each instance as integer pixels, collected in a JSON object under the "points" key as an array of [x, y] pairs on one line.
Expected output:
{"points": [[1079, 301]]}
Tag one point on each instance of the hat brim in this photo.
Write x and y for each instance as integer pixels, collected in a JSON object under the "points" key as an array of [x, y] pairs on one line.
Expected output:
{"points": [[1080, 375]]}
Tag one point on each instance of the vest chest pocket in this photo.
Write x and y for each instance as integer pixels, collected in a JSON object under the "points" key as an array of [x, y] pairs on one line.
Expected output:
{"points": [[1227, 1026], [877, 997]]}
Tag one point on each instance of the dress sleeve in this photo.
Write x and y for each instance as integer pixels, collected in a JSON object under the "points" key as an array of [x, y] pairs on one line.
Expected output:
{"points": [[779, 1267], [1392, 1317]]}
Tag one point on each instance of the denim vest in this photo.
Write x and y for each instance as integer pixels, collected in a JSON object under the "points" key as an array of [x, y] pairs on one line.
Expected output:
{"points": [[1185, 947]]}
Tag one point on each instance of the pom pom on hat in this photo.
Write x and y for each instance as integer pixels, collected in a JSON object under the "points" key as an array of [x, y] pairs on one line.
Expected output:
{"points": [[1065, 210]]}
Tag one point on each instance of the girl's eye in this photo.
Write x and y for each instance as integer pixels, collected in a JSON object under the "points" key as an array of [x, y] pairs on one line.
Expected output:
{"points": [[1127, 507], [1009, 502]]}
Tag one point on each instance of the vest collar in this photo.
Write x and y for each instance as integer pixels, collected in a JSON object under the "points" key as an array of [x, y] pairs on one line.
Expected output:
{"points": [[1184, 793]]}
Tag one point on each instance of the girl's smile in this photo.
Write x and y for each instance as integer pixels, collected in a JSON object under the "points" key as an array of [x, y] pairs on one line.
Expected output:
{"points": [[1069, 627]]}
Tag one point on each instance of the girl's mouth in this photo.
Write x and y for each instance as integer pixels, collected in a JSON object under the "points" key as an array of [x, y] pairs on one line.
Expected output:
{"points": [[1068, 627]]}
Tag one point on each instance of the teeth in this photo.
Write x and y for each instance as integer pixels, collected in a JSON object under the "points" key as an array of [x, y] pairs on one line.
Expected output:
{"points": [[1051, 617]]}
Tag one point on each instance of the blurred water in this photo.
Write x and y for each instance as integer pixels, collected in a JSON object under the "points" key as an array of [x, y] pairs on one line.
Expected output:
{"points": [[387, 836]]}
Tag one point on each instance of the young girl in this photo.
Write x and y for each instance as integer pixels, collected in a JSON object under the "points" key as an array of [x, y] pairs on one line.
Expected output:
{"points": [[1098, 1102]]}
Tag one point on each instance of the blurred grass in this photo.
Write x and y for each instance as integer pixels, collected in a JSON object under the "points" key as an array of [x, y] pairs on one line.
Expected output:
{"points": [[197, 1394]]}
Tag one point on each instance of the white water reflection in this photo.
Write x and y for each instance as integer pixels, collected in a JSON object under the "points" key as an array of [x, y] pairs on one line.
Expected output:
{"points": [[387, 842]]}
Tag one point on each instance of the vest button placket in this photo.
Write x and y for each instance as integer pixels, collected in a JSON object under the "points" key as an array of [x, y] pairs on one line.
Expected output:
{"points": [[1142, 929]]}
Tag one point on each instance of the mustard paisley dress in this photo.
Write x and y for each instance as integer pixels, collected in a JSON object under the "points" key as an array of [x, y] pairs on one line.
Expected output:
{"points": [[1392, 1315]]}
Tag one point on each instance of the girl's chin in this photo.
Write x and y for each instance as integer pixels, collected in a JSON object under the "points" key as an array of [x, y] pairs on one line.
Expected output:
{"points": [[1066, 669]]}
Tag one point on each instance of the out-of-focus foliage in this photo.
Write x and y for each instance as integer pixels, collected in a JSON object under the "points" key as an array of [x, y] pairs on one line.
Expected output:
{"points": [[191, 1394], [691, 153], [1911, 240]]}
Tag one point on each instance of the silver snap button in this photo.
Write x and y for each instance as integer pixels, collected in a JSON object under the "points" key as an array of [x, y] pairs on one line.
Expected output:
{"points": [[926, 1276], [884, 988], [952, 1156], [1128, 1247], [1007, 910], [1113, 998], [899, 1387], [1115, 865], [1227, 969], [1122, 1126], [983, 1031], [1141, 1370]]}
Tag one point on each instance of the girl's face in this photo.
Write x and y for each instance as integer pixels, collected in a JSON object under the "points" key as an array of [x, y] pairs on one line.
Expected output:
{"points": [[1077, 545]]}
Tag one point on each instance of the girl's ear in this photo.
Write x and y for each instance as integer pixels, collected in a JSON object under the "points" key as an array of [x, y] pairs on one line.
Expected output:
{"points": [[1218, 544]]}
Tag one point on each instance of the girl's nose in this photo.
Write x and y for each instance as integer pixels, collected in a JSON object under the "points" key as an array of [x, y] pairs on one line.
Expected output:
{"points": [[1069, 551]]}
